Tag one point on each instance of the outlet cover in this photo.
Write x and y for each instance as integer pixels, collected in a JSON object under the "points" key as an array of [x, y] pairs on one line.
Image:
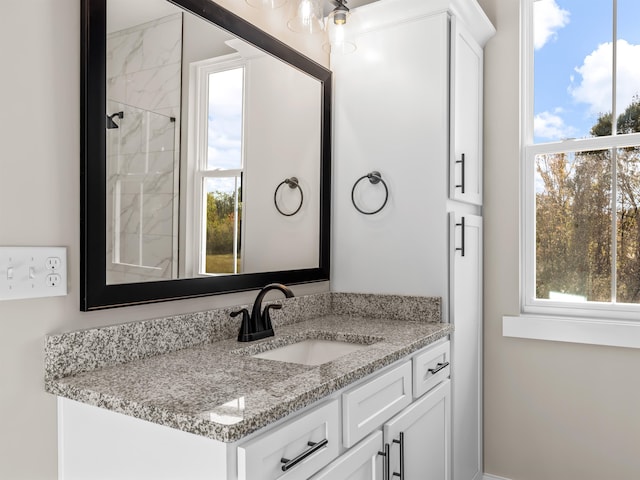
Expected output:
{"points": [[32, 272]]}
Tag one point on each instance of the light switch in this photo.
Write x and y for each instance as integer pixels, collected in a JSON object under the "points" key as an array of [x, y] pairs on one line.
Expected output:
{"points": [[31, 272]]}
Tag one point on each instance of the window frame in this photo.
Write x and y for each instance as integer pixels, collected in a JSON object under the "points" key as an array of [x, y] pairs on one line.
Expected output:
{"points": [[198, 172], [530, 305]]}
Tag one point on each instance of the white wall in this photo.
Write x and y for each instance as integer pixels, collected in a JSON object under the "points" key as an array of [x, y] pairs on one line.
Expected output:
{"points": [[275, 136], [552, 410], [39, 205]]}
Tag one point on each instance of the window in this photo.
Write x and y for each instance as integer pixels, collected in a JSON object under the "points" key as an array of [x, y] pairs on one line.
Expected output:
{"points": [[581, 150], [219, 95]]}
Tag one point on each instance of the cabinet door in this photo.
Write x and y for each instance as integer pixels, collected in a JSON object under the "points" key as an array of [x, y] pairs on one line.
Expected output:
{"points": [[466, 116], [465, 310], [419, 438], [362, 462]]}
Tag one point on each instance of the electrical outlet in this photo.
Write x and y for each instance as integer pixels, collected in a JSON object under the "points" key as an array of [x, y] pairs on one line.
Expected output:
{"points": [[53, 263], [31, 272], [53, 280]]}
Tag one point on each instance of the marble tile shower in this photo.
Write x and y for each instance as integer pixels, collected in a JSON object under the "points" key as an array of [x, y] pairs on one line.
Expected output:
{"points": [[143, 110]]}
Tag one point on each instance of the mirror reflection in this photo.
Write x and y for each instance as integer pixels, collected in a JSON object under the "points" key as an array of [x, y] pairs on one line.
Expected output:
{"points": [[201, 129]]}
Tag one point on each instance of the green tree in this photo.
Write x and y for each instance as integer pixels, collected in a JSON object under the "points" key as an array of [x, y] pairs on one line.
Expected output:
{"points": [[220, 222], [574, 218]]}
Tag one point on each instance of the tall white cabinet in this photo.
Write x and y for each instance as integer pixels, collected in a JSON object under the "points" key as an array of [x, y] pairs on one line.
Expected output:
{"points": [[408, 104]]}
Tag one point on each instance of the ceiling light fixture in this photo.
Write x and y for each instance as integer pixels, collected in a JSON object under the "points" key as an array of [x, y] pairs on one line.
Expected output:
{"points": [[340, 13], [308, 17], [266, 4], [340, 37]]}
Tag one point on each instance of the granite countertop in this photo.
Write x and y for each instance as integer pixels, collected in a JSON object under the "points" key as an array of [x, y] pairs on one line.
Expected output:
{"points": [[213, 387]]}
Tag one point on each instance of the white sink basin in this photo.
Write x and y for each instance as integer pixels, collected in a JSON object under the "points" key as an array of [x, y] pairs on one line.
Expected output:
{"points": [[311, 352]]}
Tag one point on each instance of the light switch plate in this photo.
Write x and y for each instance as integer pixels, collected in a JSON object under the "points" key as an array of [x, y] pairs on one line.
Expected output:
{"points": [[32, 272]]}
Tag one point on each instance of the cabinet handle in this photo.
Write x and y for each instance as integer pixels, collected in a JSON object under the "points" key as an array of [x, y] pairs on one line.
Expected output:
{"points": [[461, 225], [385, 462], [401, 442], [462, 173], [310, 451], [439, 367]]}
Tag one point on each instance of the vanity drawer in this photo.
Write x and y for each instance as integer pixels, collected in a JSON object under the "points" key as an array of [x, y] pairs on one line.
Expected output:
{"points": [[430, 368], [308, 443], [368, 406]]}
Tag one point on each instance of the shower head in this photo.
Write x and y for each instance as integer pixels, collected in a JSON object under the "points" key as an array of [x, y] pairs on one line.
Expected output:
{"points": [[110, 123]]}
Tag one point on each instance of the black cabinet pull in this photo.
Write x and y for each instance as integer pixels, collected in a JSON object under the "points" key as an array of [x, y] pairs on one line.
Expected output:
{"points": [[439, 367], [462, 173], [401, 443], [385, 462], [310, 451], [461, 225]]}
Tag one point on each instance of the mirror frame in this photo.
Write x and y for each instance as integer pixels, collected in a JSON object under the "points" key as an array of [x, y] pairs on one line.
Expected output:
{"points": [[95, 293]]}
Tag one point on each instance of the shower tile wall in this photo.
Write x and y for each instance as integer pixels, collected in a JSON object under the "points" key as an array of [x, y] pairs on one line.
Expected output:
{"points": [[143, 82]]}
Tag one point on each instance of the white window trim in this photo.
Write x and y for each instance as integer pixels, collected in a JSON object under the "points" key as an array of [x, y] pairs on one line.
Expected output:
{"points": [[197, 133], [596, 324]]}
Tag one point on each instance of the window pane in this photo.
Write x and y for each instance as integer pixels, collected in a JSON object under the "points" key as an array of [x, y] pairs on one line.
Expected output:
{"points": [[225, 119], [572, 68], [628, 63], [628, 225], [573, 226], [223, 225]]}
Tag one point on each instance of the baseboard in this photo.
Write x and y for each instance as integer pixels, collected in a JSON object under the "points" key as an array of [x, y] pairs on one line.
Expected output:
{"points": [[487, 476]]}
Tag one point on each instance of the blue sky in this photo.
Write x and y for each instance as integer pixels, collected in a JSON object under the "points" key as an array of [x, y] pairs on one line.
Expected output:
{"points": [[573, 63], [225, 119]]}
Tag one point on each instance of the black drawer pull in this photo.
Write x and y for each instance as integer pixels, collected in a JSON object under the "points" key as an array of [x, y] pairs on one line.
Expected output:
{"points": [[462, 173], [385, 466], [401, 443], [439, 367], [314, 448], [461, 225]]}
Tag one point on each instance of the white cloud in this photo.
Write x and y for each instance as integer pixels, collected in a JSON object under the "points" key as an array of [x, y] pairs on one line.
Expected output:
{"points": [[551, 126], [548, 18], [595, 86]]}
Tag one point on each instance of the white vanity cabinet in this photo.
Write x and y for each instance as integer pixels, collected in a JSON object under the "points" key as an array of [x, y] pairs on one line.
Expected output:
{"points": [[408, 409], [408, 104], [341, 437]]}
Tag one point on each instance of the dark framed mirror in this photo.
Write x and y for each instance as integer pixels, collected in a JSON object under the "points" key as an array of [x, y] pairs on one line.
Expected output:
{"points": [[205, 155]]}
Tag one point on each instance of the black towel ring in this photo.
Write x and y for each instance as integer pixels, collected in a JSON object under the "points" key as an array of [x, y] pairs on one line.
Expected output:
{"points": [[293, 183], [375, 178]]}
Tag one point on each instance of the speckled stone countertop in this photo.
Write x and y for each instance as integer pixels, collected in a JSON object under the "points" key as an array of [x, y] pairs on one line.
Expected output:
{"points": [[190, 373]]}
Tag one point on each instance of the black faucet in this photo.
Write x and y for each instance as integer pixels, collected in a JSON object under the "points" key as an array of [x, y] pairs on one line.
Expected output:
{"points": [[259, 325]]}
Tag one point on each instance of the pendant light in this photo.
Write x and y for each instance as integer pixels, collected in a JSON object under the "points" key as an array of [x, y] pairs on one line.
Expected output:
{"points": [[340, 37], [266, 4], [308, 18]]}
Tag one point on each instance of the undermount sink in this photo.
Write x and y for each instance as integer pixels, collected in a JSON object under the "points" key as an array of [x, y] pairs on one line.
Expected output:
{"points": [[311, 351]]}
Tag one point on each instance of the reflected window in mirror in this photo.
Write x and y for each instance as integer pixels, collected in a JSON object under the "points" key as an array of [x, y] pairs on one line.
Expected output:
{"points": [[218, 93]]}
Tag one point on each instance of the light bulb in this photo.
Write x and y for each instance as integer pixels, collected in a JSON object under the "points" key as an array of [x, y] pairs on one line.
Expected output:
{"points": [[340, 29]]}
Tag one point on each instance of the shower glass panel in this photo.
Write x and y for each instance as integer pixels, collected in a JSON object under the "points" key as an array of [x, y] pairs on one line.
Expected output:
{"points": [[142, 195]]}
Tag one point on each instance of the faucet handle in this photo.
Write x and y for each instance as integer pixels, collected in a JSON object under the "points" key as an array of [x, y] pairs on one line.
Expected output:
{"points": [[244, 326], [267, 317], [243, 311]]}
